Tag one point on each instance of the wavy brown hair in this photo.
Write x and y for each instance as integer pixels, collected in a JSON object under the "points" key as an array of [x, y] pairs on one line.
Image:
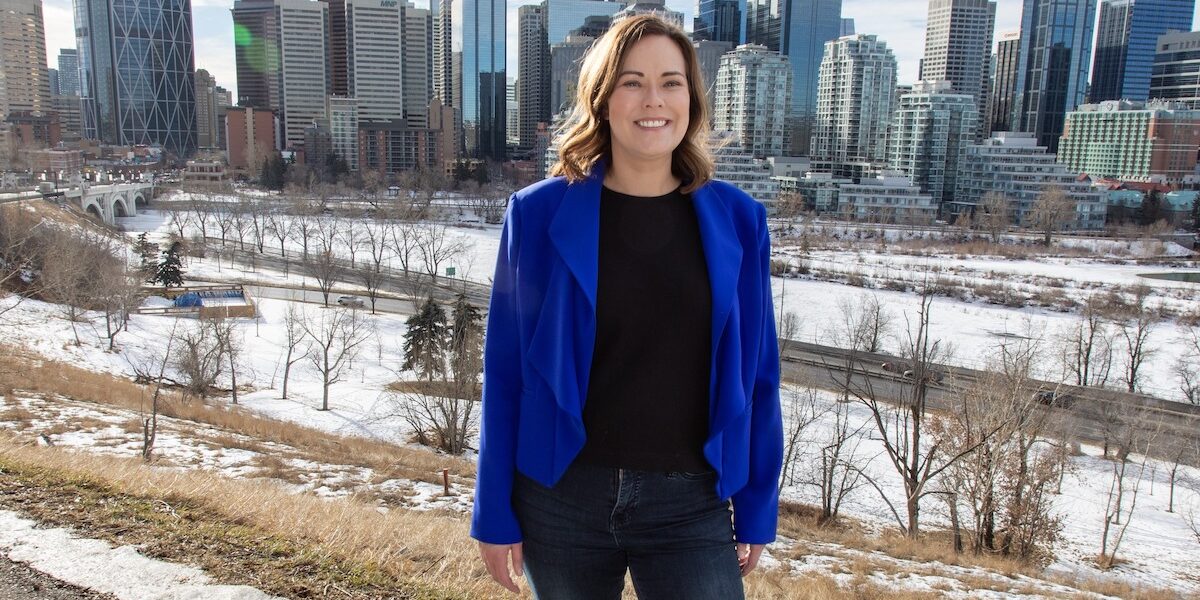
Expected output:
{"points": [[586, 138]]}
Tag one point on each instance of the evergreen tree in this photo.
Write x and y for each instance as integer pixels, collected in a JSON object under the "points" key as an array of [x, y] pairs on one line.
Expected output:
{"points": [[170, 270], [1151, 210], [1196, 214], [274, 172], [466, 340], [426, 340], [149, 258]]}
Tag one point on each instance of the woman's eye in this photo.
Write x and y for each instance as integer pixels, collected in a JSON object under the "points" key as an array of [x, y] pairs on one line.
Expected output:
{"points": [[631, 83], [674, 83]]}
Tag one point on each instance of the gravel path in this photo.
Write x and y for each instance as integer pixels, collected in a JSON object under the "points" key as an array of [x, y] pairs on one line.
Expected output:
{"points": [[19, 582]]}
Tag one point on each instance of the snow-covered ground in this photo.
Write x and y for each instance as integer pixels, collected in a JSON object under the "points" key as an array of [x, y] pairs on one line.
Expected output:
{"points": [[99, 567]]}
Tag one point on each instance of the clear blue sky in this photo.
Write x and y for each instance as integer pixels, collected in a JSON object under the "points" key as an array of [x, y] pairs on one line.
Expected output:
{"points": [[900, 23]]}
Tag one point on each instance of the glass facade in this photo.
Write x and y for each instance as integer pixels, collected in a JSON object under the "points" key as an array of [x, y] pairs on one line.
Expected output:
{"points": [[1176, 74], [68, 72], [718, 21], [1056, 44], [1125, 44], [563, 16], [136, 72], [477, 46]]}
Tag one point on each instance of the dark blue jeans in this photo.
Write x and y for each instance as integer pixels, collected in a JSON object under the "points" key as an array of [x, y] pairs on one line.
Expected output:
{"points": [[669, 530]]}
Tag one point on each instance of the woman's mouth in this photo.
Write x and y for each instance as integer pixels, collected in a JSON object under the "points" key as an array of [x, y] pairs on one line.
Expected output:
{"points": [[652, 123]]}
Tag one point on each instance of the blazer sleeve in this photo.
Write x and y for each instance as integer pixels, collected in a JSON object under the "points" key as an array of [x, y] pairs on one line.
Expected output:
{"points": [[756, 506], [493, 520]]}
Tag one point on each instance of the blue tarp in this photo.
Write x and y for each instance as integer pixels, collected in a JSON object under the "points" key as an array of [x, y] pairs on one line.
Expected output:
{"points": [[189, 300]]}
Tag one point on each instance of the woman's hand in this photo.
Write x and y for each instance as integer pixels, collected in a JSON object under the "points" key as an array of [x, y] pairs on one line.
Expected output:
{"points": [[495, 558], [748, 556]]}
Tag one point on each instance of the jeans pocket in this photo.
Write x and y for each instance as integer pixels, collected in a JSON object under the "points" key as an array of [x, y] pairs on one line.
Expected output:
{"points": [[690, 476]]}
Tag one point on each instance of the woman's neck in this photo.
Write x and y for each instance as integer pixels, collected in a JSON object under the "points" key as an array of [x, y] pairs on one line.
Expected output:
{"points": [[648, 181]]}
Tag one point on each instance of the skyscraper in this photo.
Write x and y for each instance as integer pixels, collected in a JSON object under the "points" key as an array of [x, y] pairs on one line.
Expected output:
{"points": [[798, 29], [854, 106], [1125, 41], [24, 77], [68, 72], [565, 60], [279, 49], [1176, 74], [565, 16], [718, 21], [1052, 76], [416, 39], [206, 110], [930, 127], [533, 91], [473, 33], [136, 72], [53, 74], [958, 47], [1004, 81], [751, 96]]}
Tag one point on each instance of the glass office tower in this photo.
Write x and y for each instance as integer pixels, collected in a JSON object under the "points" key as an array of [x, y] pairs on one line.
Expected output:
{"points": [[718, 21], [137, 72], [1125, 44], [477, 30], [1052, 78]]}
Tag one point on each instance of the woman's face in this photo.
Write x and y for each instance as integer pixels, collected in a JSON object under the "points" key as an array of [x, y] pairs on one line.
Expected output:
{"points": [[648, 109]]}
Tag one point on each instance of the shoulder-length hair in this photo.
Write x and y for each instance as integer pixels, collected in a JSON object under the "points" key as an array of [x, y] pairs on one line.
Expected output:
{"points": [[585, 138]]}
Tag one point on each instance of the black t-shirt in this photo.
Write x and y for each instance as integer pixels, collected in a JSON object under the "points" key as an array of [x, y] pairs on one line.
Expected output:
{"points": [[648, 393]]}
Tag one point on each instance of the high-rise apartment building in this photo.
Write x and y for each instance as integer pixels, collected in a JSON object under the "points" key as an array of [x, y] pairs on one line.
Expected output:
{"points": [[1132, 141], [709, 54], [1125, 44], [281, 61], [206, 110], [799, 30], [1004, 81], [252, 136], [343, 128], [53, 74], [854, 106], [137, 82], [657, 8], [930, 127], [472, 46], [1052, 77], [1016, 166], [533, 91], [752, 92], [24, 76], [1176, 74], [718, 21], [68, 72], [958, 48]]}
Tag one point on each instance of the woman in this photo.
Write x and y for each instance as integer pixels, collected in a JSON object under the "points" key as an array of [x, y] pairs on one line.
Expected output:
{"points": [[631, 371]]}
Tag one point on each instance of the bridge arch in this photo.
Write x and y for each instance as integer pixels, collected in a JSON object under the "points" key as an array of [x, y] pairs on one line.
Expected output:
{"points": [[93, 209], [120, 206]]}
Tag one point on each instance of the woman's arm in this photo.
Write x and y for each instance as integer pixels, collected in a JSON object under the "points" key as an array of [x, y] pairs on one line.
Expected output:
{"points": [[493, 520], [756, 506]]}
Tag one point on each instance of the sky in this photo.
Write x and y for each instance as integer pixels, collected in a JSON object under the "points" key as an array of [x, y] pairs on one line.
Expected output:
{"points": [[900, 23]]}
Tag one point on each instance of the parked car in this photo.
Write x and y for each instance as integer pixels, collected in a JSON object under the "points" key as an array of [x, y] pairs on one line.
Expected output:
{"points": [[1054, 399], [350, 301]]}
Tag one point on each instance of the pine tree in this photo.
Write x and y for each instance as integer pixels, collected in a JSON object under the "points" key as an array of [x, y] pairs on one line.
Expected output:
{"points": [[170, 270], [149, 258], [466, 340], [1196, 214], [426, 340]]}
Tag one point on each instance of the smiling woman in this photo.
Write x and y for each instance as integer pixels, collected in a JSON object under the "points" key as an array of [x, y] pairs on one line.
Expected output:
{"points": [[631, 417]]}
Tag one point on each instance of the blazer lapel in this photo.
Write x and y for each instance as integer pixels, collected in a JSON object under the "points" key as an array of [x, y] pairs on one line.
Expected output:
{"points": [[575, 231], [722, 252]]}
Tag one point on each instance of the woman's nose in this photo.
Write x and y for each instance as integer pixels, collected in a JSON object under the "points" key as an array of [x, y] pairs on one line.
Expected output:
{"points": [[653, 97]]}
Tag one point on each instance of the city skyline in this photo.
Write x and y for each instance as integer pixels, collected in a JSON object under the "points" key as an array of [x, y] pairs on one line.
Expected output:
{"points": [[901, 23]]}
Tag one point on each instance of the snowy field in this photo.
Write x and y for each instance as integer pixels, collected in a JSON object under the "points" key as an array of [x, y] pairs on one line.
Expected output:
{"points": [[362, 406]]}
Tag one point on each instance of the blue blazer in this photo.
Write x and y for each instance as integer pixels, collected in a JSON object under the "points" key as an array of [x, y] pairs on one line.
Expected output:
{"points": [[541, 329]]}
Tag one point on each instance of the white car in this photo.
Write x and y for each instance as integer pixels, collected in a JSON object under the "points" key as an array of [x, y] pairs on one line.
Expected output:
{"points": [[351, 301]]}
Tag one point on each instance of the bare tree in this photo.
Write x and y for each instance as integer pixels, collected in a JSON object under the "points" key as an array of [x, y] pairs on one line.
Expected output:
{"points": [[153, 371], [179, 220], [438, 246], [1132, 433], [325, 268], [201, 214], [375, 238], [405, 237], [199, 361], [119, 295], [225, 221], [336, 336], [280, 226], [1187, 369], [226, 334], [72, 274], [1134, 321], [1087, 346], [1052, 210], [304, 227], [260, 223], [293, 327], [995, 216], [351, 235]]}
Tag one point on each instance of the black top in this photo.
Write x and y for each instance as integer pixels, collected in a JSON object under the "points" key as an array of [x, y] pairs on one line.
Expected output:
{"points": [[648, 393]]}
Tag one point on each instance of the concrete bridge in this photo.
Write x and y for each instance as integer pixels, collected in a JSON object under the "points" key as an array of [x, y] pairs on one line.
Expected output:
{"points": [[106, 202]]}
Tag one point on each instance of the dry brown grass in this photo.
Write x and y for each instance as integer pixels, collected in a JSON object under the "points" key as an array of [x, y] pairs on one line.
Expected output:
{"points": [[17, 414], [444, 389], [24, 372]]}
